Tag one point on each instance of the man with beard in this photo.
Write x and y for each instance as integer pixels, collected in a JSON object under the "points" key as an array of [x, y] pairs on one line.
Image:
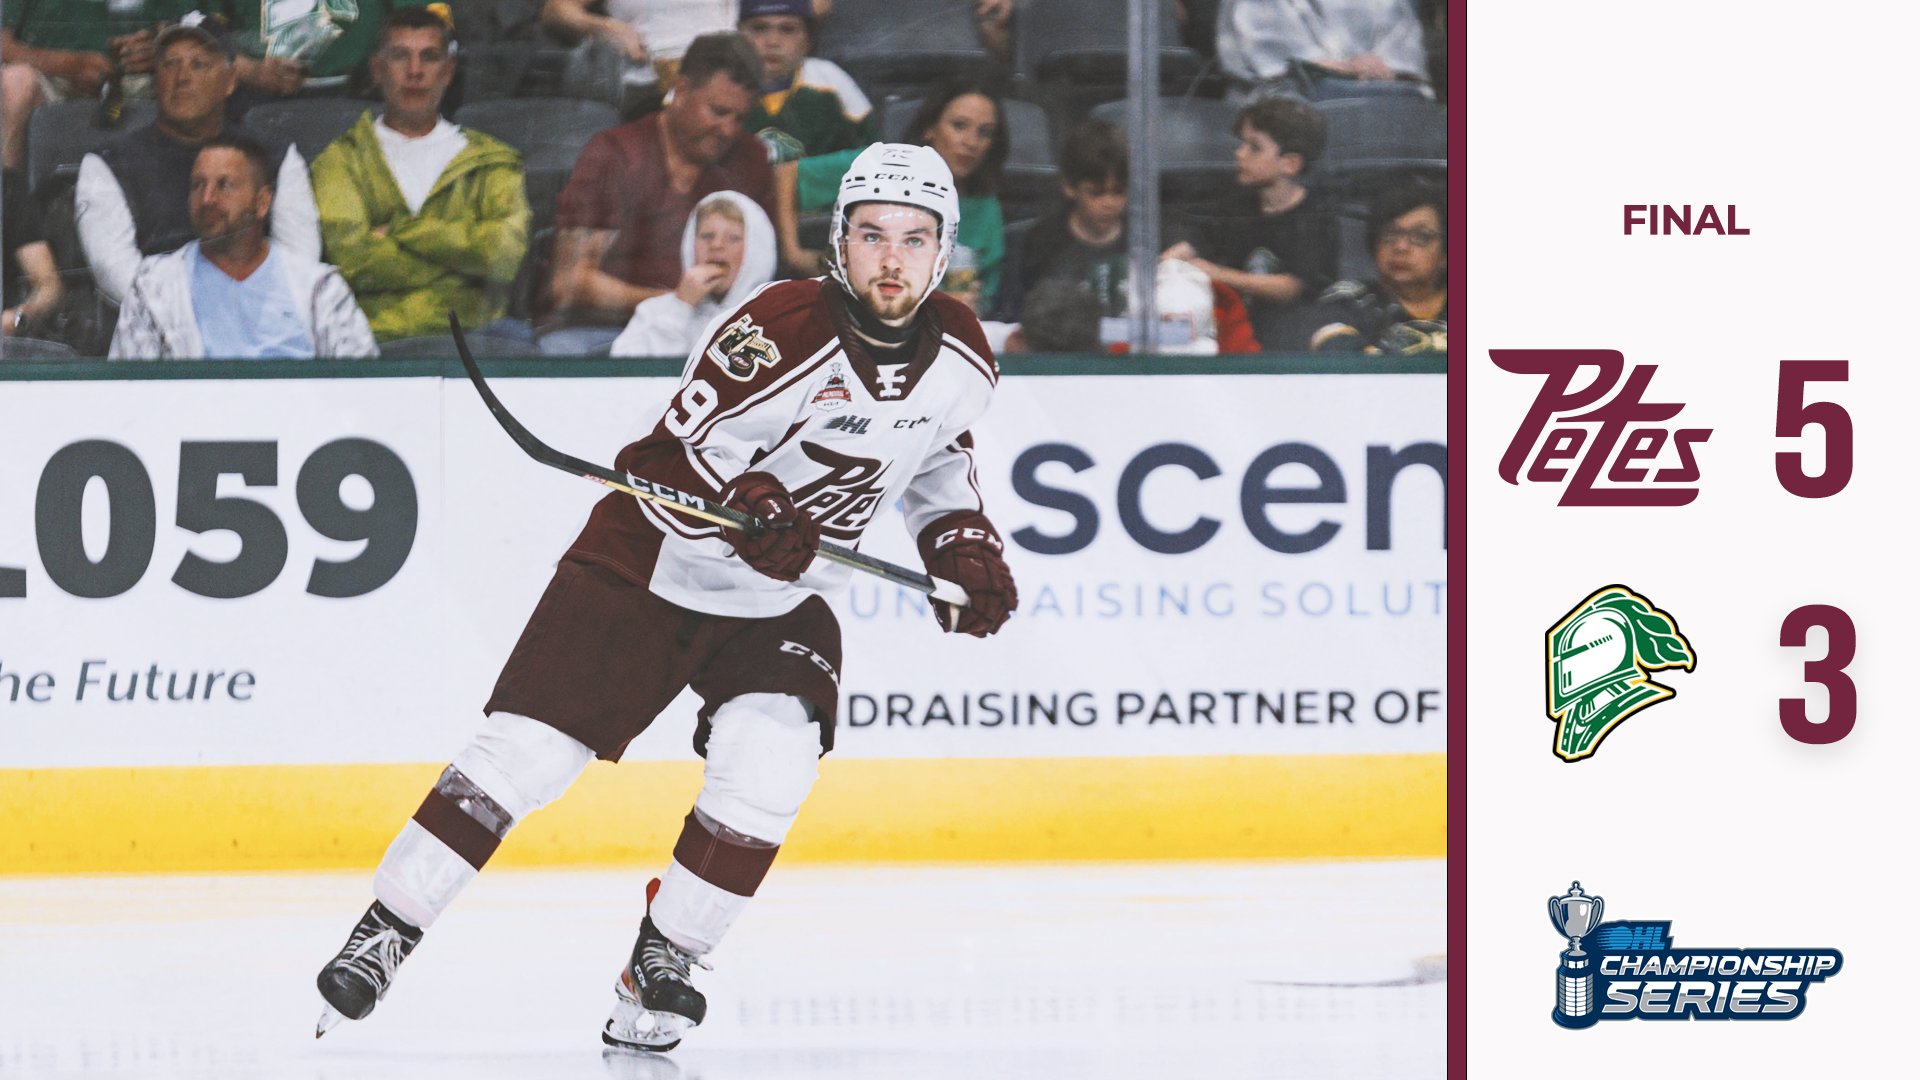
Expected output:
{"points": [[132, 196], [233, 294], [814, 406], [634, 186]]}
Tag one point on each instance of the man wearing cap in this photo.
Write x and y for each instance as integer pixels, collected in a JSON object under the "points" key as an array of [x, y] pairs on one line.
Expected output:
{"points": [[131, 200], [808, 105], [60, 49]]}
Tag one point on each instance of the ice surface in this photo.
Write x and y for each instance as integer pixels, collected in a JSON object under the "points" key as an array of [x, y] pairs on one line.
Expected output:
{"points": [[1057, 972]]}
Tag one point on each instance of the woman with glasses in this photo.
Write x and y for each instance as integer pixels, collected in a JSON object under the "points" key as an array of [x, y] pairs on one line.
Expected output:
{"points": [[1403, 310]]}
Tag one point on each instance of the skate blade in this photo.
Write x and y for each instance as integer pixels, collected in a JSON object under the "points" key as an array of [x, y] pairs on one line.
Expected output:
{"points": [[652, 1032], [329, 1018]]}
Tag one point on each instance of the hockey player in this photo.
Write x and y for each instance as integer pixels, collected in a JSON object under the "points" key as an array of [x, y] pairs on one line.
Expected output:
{"points": [[812, 405]]}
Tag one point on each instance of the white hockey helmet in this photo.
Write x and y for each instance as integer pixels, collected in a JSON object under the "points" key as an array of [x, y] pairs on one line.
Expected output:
{"points": [[897, 173]]}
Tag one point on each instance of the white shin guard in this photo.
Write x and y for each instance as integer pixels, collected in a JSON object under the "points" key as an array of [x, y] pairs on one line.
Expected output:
{"points": [[693, 913], [517, 766], [763, 755]]}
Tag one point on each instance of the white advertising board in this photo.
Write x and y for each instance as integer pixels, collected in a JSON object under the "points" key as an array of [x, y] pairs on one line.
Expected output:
{"points": [[302, 571]]}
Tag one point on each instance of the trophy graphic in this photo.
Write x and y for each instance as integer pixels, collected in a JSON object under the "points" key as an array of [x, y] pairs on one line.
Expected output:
{"points": [[1575, 915]]}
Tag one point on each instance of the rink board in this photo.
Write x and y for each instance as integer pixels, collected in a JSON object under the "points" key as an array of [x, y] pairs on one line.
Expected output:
{"points": [[243, 620], [276, 817]]}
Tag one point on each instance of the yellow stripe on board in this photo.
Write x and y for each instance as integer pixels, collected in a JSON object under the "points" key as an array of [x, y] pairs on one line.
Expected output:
{"points": [[281, 817]]}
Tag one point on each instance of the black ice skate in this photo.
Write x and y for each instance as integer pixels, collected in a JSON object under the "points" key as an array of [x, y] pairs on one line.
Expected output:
{"points": [[654, 999], [354, 981]]}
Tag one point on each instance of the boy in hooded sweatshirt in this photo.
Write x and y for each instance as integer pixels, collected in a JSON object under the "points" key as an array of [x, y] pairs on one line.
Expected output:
{"points": [[727, 250]]}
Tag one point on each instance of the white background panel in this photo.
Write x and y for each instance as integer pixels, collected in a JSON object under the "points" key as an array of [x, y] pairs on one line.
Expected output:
{"points": [[1700, 810]]}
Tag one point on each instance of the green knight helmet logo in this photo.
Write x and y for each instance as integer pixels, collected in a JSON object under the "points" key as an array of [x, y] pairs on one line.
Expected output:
{"points": [[1599, 657]]}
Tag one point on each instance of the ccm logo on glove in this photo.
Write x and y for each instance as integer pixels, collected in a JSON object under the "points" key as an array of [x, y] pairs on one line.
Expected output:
{"points": [[986, 535], [964, 548]]}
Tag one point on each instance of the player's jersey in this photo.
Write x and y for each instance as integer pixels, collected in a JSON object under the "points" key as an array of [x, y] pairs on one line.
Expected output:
{"points": [[782, 385]]}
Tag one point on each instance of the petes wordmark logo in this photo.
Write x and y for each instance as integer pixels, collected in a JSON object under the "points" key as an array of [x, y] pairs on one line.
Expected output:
{"points": [[1595, 428], [1598, 659], [1631, 971]]}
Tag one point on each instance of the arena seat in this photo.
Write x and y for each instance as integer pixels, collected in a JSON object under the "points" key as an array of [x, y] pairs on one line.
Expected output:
{"points": [[26, 350], [309, 123], [1373, 140], [1086, 42], [60, 133], [891, 48]]}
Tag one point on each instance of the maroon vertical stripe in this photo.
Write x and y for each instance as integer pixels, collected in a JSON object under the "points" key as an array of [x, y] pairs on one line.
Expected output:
{"points": [[468, 838], [734, 867]]}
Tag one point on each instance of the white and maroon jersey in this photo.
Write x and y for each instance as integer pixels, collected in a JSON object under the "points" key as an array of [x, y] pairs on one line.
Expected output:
{"points": [[782, 385]]}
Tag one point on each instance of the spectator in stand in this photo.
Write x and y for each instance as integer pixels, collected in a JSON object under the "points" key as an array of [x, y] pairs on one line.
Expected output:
{"points": [[648, 39], [132, 195], [1062, 316], [1269, 48], [233, 293], [1085, 240], [963, 122], [728, 252], [29, 266], [994, 19], [1272, 240], [1403, 311], [422, 217], [327, 49], [635, 185], [807, 105], [1197, 318], [59, 49]]}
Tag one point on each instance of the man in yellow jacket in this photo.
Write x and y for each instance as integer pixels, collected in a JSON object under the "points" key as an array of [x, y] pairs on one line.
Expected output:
{"points": [[421, 216]]}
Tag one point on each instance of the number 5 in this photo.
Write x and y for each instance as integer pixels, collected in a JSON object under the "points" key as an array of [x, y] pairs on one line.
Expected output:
{"points": [[1792, 417]]}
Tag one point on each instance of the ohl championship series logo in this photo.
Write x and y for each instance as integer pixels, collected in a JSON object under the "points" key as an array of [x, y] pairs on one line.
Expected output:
{"points": [[1600, 657], [1631, 971]]}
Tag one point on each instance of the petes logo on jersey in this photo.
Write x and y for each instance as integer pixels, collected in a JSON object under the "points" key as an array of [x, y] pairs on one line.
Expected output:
{"points": [[1599, 656], [742, 349], [845, 497], [1631, 971], [1617, 431]]}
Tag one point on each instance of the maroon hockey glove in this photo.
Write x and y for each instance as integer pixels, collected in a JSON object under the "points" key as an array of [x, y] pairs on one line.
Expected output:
{"points": [[784, 551], [964, 549]]}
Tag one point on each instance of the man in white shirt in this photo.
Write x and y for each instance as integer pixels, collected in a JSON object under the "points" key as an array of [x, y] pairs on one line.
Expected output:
{"points": [[131, 200], [232, 293]]}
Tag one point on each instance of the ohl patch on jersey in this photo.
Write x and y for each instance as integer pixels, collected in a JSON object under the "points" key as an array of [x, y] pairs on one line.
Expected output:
{"points": [[742, 349]]}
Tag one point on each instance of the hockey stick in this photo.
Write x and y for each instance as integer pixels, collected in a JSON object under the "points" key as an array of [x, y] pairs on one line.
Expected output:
{"points": [[682, 502]]}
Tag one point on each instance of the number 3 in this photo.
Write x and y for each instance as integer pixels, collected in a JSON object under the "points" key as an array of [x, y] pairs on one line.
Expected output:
{"points": [[1829, 671]]}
